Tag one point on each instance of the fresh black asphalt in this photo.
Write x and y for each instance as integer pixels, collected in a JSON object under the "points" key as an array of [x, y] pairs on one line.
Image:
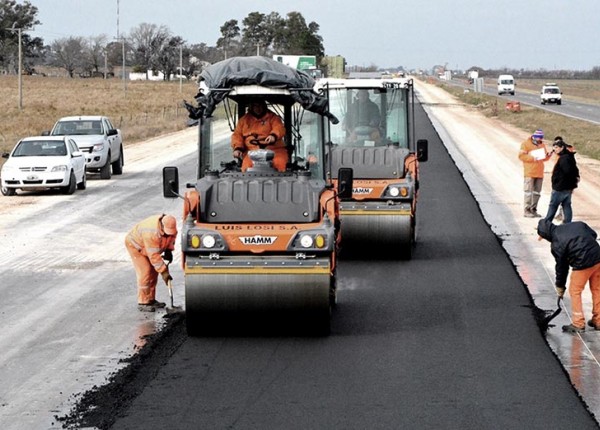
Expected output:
{"points": [[447, 340]]}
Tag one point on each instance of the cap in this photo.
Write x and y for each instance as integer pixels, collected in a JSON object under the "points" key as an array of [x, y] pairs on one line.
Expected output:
{"points": [[559, 143], [169, 225], [538, 134]]}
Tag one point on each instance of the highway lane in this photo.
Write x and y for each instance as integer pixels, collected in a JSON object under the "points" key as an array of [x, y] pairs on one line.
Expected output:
{"points": [[447, 340], [569, 107]]}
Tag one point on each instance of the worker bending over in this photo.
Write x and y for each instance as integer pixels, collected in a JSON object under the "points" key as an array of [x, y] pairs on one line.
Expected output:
{"points": [[150, 244]]}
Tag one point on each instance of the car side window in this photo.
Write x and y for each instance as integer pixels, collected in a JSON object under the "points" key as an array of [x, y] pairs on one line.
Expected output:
{"points": [[109, 125], [72, 146]]}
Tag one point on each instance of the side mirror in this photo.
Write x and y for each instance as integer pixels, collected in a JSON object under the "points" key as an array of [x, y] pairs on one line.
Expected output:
{"points": [[5, 155], [76, 154], [170, 182], [112, 132], [422, 150], [45, 133], [345, 182]]}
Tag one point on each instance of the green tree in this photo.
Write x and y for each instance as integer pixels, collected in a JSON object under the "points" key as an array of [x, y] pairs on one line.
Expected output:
{"points": [[256, 34], [15, 16], [230, 33]]}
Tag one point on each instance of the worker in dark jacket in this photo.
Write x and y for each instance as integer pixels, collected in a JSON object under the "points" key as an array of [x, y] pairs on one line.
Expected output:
{"points": [[565, 177], [574, 245]]}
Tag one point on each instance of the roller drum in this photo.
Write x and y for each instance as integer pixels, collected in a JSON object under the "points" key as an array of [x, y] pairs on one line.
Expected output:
{"points": [[383, 231], [217, 301]]}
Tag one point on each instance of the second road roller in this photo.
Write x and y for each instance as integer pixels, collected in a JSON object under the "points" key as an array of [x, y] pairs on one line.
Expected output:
{"points": [[375, 137]]}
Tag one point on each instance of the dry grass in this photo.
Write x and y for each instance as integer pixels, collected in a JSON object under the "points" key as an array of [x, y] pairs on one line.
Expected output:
{"points": [[142, 110], [583, 135]]}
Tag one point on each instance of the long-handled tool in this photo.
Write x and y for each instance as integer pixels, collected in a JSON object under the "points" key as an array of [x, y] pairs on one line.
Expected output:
{"points": [[545, 323], [172, 309]]}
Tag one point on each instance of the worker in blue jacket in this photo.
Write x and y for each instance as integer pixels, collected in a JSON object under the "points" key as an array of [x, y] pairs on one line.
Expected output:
{"points": [[574, 245]]}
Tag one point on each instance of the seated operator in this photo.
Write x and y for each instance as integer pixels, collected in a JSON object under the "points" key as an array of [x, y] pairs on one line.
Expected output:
{"points": [[363, 113], [259, 128]]}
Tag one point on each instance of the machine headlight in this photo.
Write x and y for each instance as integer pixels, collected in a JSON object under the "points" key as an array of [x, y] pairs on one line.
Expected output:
{"points": [[98, 147], [61, 168], [320, 241], [195, 241], [394, 191], [306, 241], [208, 241]]}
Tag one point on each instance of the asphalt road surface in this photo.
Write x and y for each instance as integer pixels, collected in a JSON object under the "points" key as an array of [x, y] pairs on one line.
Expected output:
{"points": [[447, 340]]}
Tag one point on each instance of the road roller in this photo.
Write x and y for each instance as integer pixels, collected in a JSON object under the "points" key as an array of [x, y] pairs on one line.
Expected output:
{"points": [[375, 137], [259, 243]]}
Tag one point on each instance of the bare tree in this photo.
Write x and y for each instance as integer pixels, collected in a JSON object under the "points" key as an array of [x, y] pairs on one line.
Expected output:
{"points": [[68, 53], [146, 39], [94, 53]]}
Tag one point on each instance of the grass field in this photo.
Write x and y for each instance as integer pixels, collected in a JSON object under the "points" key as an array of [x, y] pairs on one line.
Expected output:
{"points": [[142, 109], [583, 135]]}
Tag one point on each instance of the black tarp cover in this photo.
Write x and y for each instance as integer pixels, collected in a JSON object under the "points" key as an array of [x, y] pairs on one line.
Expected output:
{"points": [[226, 74]]}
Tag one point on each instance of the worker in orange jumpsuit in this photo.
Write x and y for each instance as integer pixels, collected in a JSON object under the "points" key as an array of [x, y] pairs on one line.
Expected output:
{"points": [[150, 243], [533, 153], [259, 126]]}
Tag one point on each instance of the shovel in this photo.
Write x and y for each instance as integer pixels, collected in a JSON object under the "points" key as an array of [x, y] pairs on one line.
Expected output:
{"points": [[544, 323], [173, 309]]}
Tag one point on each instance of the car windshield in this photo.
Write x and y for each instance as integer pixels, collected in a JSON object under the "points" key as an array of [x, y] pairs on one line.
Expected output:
{"points": [[78, 128], [551, 91], [40, 148], [369, 117]]}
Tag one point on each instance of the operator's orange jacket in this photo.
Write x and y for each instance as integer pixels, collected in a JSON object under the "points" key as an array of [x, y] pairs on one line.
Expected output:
{"points": [[532, 168], [148, 238], [251, 128]]}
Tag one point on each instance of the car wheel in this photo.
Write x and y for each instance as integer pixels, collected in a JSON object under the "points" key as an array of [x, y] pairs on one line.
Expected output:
{"points": [[105, 170], [70, 189], [8, 191], [83, 184], [559, 102], [117, 166]]}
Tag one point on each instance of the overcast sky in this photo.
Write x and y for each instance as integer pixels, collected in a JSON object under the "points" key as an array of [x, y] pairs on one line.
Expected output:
{"points": [[521, 34]]}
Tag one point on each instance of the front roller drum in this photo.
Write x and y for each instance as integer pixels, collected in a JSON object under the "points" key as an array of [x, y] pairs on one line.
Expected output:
{"points": [[392, 233], [218, 302]]}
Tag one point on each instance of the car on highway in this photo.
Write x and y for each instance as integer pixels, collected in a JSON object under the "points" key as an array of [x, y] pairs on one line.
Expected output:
{"points": [[550, 94], [41, 162], [98, 139]]}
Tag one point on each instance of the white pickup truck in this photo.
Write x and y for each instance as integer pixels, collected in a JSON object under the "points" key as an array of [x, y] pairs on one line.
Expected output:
{"points": [[98, 139], [550, 94]]}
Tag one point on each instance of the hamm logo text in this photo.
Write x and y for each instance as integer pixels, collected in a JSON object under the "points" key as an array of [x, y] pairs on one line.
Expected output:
{"points": [[258, 240]]}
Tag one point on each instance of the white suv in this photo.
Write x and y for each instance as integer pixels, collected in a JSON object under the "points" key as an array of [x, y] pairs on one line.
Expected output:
{"points": [[98, 139], [551, 94]]}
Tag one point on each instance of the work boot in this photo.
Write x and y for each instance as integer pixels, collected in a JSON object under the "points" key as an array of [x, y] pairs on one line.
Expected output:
{"points": [[148, 307], [157, 304], [572, 329], [528, 214], [535, 214], [594, 326]]}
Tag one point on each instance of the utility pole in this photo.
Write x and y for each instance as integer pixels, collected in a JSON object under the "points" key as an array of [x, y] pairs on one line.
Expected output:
{"points": [[257, 49], [181, 68], [20, 66], [122, 51]]}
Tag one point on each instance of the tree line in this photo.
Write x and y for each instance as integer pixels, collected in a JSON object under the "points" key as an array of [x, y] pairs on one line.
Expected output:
{"points": [[150, 47]]}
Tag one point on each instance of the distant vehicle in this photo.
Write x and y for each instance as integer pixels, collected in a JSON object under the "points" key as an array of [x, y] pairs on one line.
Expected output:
{"points": [[506, 85], [41, 162], [98, 139], [551, 94], [473, 74]]}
